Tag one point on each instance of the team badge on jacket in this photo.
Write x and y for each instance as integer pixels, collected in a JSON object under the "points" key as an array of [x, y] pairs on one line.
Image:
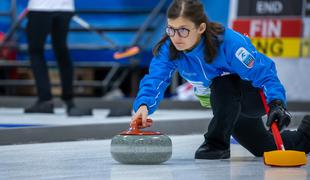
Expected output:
{"points": [[245, 57]]}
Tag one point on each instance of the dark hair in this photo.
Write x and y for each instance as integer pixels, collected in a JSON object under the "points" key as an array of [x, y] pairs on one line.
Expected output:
{"points": [[194, 11]]}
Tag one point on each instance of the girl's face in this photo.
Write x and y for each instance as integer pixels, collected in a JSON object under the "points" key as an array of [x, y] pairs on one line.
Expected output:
{"points": [[183, 33]]}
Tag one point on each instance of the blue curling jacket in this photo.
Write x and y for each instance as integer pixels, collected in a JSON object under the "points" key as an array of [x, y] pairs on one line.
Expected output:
{"points": [[236, 55]]}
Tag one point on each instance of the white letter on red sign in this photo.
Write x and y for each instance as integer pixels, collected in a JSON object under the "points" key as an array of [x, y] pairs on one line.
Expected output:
{"points": [[274, 28], [255, 27]]}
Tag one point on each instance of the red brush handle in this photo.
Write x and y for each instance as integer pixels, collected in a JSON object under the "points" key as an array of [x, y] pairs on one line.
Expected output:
{"points": [[274, 128]]}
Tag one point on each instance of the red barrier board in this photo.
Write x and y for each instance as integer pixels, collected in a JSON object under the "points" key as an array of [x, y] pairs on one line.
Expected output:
{"points": [[269, 27]]}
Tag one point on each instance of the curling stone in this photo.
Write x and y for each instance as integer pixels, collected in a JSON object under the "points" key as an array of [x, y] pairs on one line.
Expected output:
{"points": [[141, 147]]}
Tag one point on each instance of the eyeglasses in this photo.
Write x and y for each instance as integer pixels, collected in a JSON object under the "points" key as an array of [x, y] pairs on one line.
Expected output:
{"points": [[182, 32]]}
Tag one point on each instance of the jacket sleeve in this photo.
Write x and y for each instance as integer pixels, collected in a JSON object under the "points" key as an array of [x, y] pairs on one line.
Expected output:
{"points": [[154, 84], [255, 67]]}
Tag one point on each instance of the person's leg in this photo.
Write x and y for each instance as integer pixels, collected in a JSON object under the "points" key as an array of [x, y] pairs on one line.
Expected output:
{"points": [[60, 28], [38, 27], [225, 102], [251, 133], [303, 142]]}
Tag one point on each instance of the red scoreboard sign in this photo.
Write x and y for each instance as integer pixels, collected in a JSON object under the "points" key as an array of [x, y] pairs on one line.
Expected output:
{"points": [[273, 37], [269, 27]]}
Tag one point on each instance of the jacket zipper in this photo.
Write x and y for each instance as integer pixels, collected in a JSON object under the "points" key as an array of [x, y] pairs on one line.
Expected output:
{"points": [[204, 73]]}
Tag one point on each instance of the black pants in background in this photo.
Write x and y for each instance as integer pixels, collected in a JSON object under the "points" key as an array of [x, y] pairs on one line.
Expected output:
{"points": [[237, 109], [40, 25]]}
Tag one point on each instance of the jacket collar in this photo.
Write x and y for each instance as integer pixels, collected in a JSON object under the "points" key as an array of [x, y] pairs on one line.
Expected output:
{"points": [[197, 50]]}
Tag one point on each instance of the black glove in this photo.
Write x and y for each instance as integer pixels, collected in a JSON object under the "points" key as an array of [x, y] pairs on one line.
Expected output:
{"points": [[279, 114]]}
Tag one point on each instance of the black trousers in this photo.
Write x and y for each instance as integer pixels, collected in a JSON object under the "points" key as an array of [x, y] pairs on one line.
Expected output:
{"points": [[40, 25], [237, 109]]}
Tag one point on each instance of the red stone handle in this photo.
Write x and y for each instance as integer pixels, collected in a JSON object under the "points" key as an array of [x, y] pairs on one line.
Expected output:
{"points": [[136, 125]]}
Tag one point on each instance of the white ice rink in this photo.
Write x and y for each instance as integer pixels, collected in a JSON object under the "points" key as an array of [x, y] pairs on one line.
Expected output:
{"points": [[92, 160]]}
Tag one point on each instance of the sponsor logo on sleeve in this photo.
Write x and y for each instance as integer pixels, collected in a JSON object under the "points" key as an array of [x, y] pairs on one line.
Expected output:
{"points": [[245, 57]]}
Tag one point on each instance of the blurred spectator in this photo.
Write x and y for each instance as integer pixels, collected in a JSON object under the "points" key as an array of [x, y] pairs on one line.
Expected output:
{"points": [[51, 17]]}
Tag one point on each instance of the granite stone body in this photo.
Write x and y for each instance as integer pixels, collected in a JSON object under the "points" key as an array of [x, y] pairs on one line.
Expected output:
{"points": [[141, 149]]}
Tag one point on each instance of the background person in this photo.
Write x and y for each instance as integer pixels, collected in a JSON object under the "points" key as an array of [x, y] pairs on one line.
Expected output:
{"points": [[51, 17]]}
